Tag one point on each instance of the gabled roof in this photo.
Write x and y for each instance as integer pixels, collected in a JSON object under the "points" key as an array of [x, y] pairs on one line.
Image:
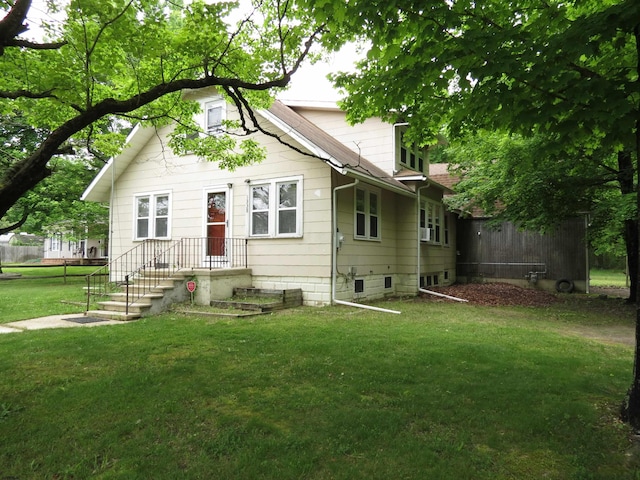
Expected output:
{"points": [[100, 188], [439, 172], [323, 145], [311, 137]]}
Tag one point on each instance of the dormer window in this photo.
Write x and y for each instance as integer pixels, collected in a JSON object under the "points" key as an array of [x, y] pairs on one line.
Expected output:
{"points": [[408, 156], [214, 116]]}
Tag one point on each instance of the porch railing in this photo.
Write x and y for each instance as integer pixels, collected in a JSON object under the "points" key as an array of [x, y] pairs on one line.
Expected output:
{"points": [[138, 271]]}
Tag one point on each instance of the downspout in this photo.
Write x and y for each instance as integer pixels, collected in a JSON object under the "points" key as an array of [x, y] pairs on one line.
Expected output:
{"points": [[423, 290], [334, 266], [111, 215]]}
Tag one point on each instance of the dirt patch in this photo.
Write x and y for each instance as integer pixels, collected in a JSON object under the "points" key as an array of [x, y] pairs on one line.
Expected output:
{"points": [[610, 301], [496, 294]]}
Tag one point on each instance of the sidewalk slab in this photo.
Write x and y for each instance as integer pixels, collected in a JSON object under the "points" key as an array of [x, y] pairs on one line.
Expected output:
{"points": [[53, 321], [5, 329]]}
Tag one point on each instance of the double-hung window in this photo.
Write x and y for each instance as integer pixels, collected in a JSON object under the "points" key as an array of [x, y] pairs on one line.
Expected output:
{"points": [[214, 115], [431, 222], [152, 215], [276, 208], [56, 243], [367, 214], [408, 155]]}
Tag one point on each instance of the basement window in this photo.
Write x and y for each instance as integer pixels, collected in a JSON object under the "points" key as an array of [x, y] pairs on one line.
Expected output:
{"points": [[359, 285], [387, 282], [430, 280]]}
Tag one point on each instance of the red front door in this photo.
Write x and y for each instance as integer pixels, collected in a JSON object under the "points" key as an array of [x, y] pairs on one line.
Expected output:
{"points": [[216, 224]]}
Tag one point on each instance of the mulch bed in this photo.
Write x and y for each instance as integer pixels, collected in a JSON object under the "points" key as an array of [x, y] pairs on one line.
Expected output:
{"points": [[495, 294]]}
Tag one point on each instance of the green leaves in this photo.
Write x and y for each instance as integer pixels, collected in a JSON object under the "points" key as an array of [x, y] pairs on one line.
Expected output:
{"points": [[128, 61], [522, 66]]}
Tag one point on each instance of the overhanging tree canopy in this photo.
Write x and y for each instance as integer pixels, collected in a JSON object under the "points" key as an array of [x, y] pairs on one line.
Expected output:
{"points": [[131, 59], [565, 69]]}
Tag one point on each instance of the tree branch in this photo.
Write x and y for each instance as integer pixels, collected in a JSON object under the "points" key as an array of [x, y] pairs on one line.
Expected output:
{"points": [[13, 24], [18, 224]]}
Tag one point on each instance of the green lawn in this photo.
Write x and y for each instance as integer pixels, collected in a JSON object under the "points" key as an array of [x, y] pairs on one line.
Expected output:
{"points": [[443, 391], [31, 296], [607, 278]]}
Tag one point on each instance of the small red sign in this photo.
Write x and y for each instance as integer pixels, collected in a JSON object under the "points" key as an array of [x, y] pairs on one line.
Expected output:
{"points": [[191, 286]]}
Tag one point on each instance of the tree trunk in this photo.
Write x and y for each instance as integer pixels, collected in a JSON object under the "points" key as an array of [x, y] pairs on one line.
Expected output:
{"points": [[631, 408], [626, 181]]}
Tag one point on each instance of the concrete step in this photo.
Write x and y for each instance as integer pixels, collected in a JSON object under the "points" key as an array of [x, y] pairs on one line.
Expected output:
{"points": [[134, 308], [136, 288], [109, 315], [150, 273], [121, 297]]}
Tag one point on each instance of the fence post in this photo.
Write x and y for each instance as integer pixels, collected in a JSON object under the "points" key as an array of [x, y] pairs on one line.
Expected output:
{"points": [[126, 283], [64, 272], [88, 277]]}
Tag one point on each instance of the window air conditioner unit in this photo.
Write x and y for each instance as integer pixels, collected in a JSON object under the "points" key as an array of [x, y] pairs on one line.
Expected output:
{"points": [[426, 234]]}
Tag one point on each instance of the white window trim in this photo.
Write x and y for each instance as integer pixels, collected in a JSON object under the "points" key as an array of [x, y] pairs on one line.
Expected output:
{"points": [[213, 102], [272, 227], [56, 243], [438, 222], [368, 191], [418, 152], [152, 216]]}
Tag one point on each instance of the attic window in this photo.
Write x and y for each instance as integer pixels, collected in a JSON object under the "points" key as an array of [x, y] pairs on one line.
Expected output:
{"points": [[214, 116]]}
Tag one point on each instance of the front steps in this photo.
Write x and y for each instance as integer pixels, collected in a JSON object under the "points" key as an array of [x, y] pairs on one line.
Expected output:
{"points": [[116, 308], [261, 300]]}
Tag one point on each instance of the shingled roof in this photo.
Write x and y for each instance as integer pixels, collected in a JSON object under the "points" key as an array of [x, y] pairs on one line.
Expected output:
{"points": [[334, 151]]}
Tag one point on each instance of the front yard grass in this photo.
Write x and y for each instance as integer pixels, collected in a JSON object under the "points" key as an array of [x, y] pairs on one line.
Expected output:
{"points": [[443, 391], [33, 296]]}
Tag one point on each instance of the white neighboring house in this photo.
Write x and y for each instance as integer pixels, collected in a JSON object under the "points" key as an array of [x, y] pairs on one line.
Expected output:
{"points": [[348, 215], [57, 247]]}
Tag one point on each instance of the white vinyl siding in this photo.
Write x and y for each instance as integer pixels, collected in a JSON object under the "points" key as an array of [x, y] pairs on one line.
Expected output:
{"points": [[152, 219], [367, 214], [276, 208]]}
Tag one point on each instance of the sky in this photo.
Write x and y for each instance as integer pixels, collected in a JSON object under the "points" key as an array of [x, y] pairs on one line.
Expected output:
{"points": [[311, 83]]}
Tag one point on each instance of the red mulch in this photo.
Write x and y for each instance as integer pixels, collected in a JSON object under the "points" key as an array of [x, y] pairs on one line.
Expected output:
{"points": [[496, 294]]}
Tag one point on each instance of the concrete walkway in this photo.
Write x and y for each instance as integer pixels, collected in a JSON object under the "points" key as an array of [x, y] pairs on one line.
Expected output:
{"points": [[53, 321]]}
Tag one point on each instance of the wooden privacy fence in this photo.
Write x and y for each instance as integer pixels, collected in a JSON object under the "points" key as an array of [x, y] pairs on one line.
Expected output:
{"points": [[507, 252], [20, 253]]}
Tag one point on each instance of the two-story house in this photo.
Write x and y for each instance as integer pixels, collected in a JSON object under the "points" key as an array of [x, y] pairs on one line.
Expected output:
{"points": [[348, 215]]}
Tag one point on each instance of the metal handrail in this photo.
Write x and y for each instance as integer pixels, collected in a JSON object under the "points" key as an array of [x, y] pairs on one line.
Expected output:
{"points": [[144, 267]]}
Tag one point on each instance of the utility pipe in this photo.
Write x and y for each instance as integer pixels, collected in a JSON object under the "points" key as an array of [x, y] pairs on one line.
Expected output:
{"points": [[422, 290], [334, 266], [437, 294]]}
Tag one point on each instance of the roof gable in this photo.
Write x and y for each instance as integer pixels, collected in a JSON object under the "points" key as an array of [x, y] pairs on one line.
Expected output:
{"points": [[331, 150], [318, 142]]}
